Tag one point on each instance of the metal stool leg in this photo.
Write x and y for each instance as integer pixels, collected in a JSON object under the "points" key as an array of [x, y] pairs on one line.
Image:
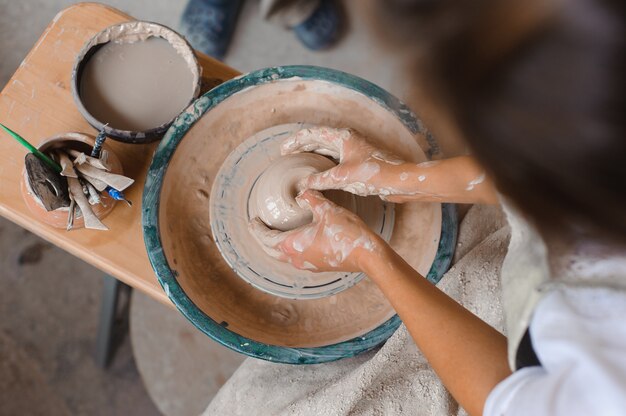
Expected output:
{"points": [[111, 322]]}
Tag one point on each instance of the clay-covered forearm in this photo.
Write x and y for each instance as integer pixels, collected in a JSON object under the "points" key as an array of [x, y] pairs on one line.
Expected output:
{"points": [[365, 170], [457, 180], [468, 355]]}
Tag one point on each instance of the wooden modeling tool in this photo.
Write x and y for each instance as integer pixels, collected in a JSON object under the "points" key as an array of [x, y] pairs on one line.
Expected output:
{"points": [[94, 196], [97, 183], [67, 165], [70, 216], [115, 181], [78, 191], [81, 158], [91, 220]]}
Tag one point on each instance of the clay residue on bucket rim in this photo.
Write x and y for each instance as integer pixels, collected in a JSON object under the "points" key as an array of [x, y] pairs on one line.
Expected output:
{"points": [[130, 32]]}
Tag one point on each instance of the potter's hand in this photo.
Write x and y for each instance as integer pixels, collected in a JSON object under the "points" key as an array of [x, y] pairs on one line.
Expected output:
{"points": [[336, 239], [365, 170], [362, 169]]}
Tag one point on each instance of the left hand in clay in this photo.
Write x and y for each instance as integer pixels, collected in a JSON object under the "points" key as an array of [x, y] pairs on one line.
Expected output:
{"points": [[336, 240]]}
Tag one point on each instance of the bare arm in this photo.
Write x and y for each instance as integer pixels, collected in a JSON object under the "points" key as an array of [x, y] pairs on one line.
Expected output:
{"points": [[366, 170], [468, 355], [458, 180]]}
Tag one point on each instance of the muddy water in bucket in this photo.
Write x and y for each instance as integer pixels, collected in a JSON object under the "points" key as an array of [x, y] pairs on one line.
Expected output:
{"points": [[136, 86]]}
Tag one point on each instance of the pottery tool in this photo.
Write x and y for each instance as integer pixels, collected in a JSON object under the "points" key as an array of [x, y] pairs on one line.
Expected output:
{"points": [[57, 184], [46, 183], [95, 175], [97, 147], [97, 183], [67, 165], [113, 180], [91, 220], [43, 175], [98, 160], [78, 191], [105, 181], [81, 158], [70, 216], [32, 149], [118, 195], [94, 195]]}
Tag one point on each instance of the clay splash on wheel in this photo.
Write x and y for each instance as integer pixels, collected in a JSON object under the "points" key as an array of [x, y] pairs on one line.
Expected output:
{"points": [[233, 203]]}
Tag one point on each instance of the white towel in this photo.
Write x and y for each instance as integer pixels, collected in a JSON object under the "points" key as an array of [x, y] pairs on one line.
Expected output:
{"points": [[395, 379]]}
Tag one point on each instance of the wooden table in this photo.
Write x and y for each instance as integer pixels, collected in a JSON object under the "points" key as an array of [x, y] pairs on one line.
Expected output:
{"points": [[37, 103]]}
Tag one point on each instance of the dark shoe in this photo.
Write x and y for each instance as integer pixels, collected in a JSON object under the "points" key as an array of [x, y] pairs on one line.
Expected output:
{"points": [[209, 25], [322, 28]]}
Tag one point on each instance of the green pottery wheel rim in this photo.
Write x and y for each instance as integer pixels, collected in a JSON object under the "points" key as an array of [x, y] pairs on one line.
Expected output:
{"points": [[167, 275]]}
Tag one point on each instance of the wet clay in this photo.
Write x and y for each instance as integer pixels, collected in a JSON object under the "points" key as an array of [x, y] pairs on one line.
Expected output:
{"points": [[274, 194], [136, 86], [184, 214], [235, 200]]}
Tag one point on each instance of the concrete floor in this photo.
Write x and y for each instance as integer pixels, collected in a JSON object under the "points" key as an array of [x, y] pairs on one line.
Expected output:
{"points": [[182, 369], [49, 304], [49, 300], [256, 43]]}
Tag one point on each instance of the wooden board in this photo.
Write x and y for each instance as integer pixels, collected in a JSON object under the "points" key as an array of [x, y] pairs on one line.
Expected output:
{"points": [[37, 103]]}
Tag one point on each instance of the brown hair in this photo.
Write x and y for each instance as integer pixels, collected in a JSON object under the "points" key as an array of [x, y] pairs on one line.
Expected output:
{"points": [[537, 89]]}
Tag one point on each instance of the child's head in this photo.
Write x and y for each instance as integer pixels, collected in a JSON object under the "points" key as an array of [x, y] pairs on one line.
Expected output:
{"points": [[537, 88]]}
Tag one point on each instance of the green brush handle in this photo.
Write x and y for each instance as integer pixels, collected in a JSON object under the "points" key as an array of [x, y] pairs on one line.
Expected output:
{"points": [[54, 165]]}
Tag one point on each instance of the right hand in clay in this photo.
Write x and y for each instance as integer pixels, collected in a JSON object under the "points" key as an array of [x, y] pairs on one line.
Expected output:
{"points": [[362, 169], [365, 170], [336, 240]]}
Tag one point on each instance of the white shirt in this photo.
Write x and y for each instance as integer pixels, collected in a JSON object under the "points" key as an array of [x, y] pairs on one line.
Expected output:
{"points": [[579, 335]]}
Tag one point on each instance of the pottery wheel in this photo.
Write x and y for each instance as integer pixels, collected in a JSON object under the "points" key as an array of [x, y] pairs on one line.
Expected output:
{"points": [[249, 315], [232, 205]]}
